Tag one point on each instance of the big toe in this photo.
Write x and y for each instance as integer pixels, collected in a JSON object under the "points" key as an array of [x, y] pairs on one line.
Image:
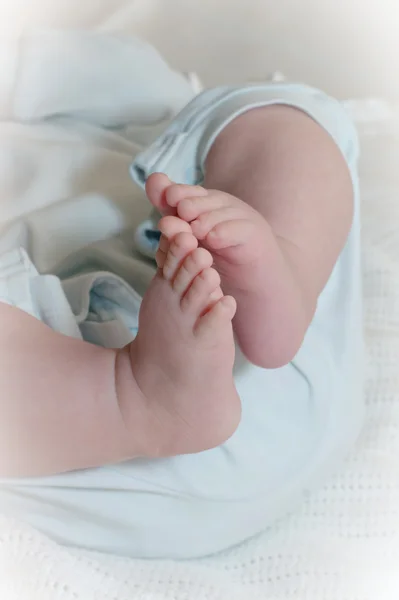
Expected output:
{"points": [[171, 227], [155, 187]]}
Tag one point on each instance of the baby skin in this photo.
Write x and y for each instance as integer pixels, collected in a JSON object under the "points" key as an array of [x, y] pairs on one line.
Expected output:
{"points": [[182, 358], [246, 255]]}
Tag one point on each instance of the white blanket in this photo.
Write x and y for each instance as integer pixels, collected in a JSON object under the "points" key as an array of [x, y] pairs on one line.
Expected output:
{"points": [[344, 543]]}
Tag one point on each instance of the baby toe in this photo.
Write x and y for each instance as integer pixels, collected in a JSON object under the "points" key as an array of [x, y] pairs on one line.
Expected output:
{"points": [[162, 251], [155, 187], [217, 318], [170, 226], [198, 296], [194, 263], [181, 245], [178, 192]]}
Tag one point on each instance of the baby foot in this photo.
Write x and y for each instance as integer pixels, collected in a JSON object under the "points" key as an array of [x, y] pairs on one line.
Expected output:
{"points": [[182, 357], [251, 262], [234, 232]]}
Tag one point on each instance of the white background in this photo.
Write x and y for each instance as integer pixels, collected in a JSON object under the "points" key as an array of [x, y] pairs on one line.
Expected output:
{"points": [[349, 48]]}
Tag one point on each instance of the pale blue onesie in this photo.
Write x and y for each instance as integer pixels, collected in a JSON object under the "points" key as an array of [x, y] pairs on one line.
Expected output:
{"points": [[298, 421]]}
